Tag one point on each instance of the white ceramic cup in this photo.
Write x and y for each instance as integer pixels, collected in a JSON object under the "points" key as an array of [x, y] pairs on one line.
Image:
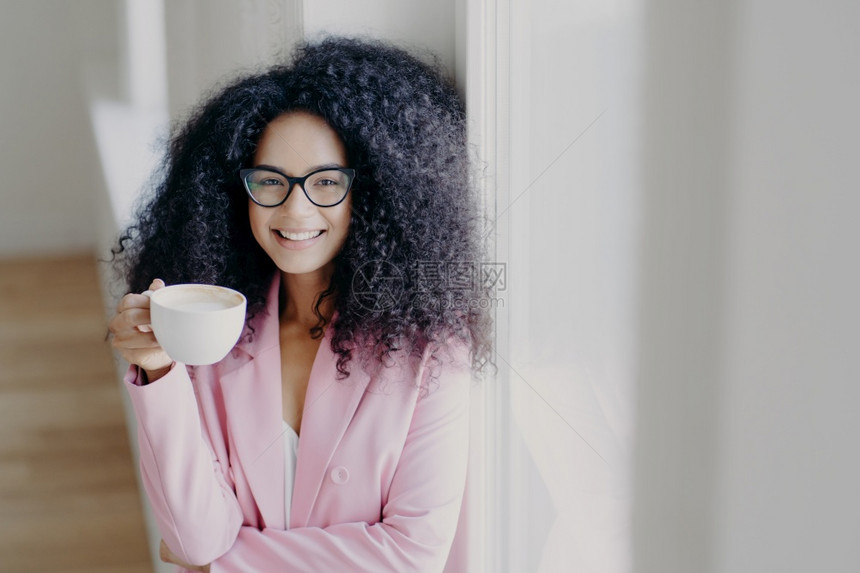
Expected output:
{"points": [[197, 324]]}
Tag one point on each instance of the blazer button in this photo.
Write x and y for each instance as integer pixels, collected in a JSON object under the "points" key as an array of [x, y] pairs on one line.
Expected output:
{"points": [[340, 475]]}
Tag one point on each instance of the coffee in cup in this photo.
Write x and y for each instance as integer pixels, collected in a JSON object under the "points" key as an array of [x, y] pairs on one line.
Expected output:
{"points": [[197, 324]]}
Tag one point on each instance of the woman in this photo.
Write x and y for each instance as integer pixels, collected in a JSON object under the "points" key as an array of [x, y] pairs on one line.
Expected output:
{"points": [[335, 194]]}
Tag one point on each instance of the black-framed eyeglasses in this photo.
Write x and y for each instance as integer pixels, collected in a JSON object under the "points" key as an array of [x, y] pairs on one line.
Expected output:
{"points": [[269, 187]]}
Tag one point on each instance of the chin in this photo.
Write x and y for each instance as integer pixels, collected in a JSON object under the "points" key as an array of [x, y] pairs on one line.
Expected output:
{"points": [[303, 267]]}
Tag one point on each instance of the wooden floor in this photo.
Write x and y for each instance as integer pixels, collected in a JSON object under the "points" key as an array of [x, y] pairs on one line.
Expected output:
{"points": [[68, 496]]}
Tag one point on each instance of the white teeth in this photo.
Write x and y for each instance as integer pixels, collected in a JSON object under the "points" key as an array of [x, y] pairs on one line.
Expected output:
{"points": [[299, 236]]}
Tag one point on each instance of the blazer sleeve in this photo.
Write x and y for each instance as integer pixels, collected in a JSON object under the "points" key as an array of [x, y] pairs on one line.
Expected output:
{"points": [[195, 507], [419, 519]]}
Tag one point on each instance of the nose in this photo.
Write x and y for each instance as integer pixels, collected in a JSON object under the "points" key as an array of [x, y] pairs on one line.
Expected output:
{"points": [[297, 201]]}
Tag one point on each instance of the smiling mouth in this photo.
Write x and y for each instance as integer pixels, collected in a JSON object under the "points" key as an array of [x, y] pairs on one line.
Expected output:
{"points": [[299, 236]]}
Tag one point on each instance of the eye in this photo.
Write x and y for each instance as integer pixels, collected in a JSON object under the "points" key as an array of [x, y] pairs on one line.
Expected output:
{"points": [[330, 178], [269, 181]]}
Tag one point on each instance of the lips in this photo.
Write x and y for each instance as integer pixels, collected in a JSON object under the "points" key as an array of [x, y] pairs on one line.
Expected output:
{"points": [[303, 236], [283, 239]]}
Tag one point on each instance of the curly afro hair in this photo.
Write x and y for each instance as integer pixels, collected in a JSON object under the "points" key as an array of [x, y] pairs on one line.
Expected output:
{"points": [[406, 276]]}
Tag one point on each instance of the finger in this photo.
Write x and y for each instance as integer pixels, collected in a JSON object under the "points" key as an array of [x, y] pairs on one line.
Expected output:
{"points": [[134, 317], [128, 322], [132, 300], [156, 284], [135, 341]]}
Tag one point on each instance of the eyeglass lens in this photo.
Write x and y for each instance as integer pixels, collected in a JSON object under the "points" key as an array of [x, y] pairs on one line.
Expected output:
{"points": [[324, 188]]}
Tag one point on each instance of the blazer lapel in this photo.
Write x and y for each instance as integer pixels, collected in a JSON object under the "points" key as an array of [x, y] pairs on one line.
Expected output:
{"points": [[251, 383], [329, 407]]}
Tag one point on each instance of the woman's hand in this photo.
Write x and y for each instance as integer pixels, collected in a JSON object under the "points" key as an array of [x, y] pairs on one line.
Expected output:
{"points": [[168, 556], [133, 337]]}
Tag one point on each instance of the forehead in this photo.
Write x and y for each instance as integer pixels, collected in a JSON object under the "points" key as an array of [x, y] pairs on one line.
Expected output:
{"points": [[298, 141]]}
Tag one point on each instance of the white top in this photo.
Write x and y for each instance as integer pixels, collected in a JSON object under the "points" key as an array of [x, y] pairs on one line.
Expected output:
{"points": [[291, 449]]}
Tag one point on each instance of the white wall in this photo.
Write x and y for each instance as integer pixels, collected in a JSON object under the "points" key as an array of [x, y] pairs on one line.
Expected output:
{"points": [[416, 24], [747, 456], [564, 83], [48, 163], [685, 142], [789, 458], [209, 41]]}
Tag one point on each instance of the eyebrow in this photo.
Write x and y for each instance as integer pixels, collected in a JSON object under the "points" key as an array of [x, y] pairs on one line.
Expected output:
{"points": [[310, 169]]}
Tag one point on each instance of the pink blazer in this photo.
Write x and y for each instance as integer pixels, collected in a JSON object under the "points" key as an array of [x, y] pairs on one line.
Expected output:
{"points": [[380, 473]]}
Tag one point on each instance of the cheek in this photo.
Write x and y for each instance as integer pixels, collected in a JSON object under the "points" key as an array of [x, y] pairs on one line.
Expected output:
{"points": [[258, 221], [344, 219]]}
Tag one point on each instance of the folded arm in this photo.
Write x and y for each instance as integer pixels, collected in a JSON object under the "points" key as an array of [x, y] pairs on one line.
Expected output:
{"points": [[418, 521]]}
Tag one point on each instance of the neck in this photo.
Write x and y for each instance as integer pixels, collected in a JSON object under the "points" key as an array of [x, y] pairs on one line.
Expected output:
{"points": [[301, 292]]}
